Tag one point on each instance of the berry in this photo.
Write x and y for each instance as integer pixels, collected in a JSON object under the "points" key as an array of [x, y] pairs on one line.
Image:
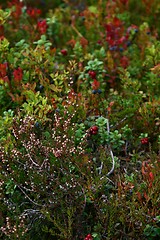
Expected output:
{"points": [[92, 74], [99, 91], [129, 43], [41, 87], [121, 49], [113, 48], [37, 125], [144, 140], [95, 91], [88, 237], [94, 130], [64, 52]]}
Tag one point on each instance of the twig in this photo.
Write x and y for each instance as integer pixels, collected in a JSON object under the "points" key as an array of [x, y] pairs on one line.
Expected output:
{"points": [[110, 151], [37, 204], [29, 155], [75, 29]]}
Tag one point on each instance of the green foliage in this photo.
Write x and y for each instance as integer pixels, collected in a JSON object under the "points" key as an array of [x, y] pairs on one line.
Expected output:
{"points": [[79, 119], [4, 44], [95, 65], [43, 42], [4, 14], [36, 106], [6, 121], [151, 232]]}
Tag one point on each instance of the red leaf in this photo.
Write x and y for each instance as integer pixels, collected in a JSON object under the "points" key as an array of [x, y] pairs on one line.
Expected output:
{"points": [[95, 84]]}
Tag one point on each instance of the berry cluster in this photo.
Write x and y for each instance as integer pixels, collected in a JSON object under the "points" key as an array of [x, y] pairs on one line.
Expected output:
{"points": [[88, 237], [93, 130], [99, 91], [144, 140], [92, 74]]}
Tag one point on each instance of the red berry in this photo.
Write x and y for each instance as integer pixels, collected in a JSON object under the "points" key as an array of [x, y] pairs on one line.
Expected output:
{"points": [[144, 140], [94, 128], [64, 52], [94, 132], [88, 237], [92, 74]]}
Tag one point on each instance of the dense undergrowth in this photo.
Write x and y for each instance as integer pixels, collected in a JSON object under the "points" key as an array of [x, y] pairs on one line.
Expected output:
{"points": [[79, 119]]}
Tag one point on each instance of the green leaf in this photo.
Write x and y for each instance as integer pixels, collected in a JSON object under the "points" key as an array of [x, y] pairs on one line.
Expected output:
{"points": [[93, 9], [20, 43]]}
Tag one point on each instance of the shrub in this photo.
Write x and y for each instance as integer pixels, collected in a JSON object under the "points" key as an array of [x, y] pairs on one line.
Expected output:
{"points": [[79, 124]]}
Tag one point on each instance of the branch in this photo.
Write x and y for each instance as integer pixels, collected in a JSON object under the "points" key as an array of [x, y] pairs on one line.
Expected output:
{"points": [[110, 151], [37, 204]]}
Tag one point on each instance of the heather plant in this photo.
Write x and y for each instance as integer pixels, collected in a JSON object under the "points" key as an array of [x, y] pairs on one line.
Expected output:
{"points": [[48, 170]]}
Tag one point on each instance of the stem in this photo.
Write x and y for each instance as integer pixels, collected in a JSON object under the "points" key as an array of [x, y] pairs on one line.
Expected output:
{"points": [[28, 153], [110, 151], [75, 29], [37, 204]]}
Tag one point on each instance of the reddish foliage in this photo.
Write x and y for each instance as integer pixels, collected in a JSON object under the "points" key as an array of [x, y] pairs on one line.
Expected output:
{"points": [[3, 70], [83, 42], [71, 42], [42, 26], [124, 2], [124, 62], [18, 8], [18, 74], [1, 30], [95, 84], [33, 12]]}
